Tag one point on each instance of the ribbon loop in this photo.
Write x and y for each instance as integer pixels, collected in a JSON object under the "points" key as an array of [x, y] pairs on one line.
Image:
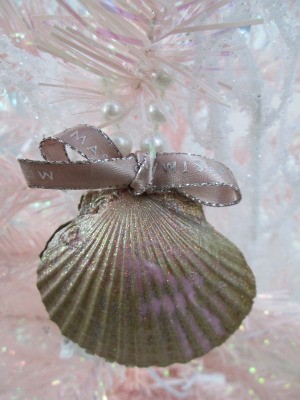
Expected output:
{"points": [[88, 141], [201, 179]]}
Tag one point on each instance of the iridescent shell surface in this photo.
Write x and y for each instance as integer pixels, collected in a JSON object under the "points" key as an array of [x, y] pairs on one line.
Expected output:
{"points": [[144, 280]]}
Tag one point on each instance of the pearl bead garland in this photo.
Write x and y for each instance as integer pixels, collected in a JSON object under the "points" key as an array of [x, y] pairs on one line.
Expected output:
{"points": [[123, 142], [156, 140], [111, 109], [155, 115], [161, 79]]}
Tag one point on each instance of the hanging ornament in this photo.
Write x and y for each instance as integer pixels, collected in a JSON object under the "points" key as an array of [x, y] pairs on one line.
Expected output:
{"points": [[139, 276]]}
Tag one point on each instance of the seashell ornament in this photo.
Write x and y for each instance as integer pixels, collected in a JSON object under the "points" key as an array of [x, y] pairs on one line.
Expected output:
{"points": [[144, 280], [139, 276]]}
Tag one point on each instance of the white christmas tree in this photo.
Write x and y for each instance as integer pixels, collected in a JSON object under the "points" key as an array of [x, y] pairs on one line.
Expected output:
{"points": [[217, 78]]}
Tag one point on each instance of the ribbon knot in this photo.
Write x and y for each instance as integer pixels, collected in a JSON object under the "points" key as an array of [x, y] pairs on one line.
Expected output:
{"points": [[142, 182], [201, 179]]}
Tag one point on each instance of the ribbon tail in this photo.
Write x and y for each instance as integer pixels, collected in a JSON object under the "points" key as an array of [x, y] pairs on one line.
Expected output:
{"points": [[214, 195], [108, 174], [201, 179]]}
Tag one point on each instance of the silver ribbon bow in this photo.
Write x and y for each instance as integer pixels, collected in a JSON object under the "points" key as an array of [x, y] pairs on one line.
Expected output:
{"points": [[201, 179]]}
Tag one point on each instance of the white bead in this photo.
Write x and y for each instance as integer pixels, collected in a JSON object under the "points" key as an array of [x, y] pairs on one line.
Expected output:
{"points": [[123, 142], [111, 48], [155, 114], [161, 78], [111, 109], [157, 141]]}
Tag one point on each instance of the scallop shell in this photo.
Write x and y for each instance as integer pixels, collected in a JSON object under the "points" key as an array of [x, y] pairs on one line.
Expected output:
{"points": [[144, 280]]}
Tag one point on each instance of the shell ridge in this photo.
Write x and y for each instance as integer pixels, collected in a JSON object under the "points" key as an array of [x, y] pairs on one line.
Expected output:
{"points": [[118, 269], [62, 258], [159, 228], [75, 283], [177, 261], [231, 280], [140, 338], [220, 236], [92, 304], [225, 240], [163, 254], [234, 302], [183, 241], [98, 277], [120, 334], [68, 255], [148, 286], [219, 314], [175, 333]]}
